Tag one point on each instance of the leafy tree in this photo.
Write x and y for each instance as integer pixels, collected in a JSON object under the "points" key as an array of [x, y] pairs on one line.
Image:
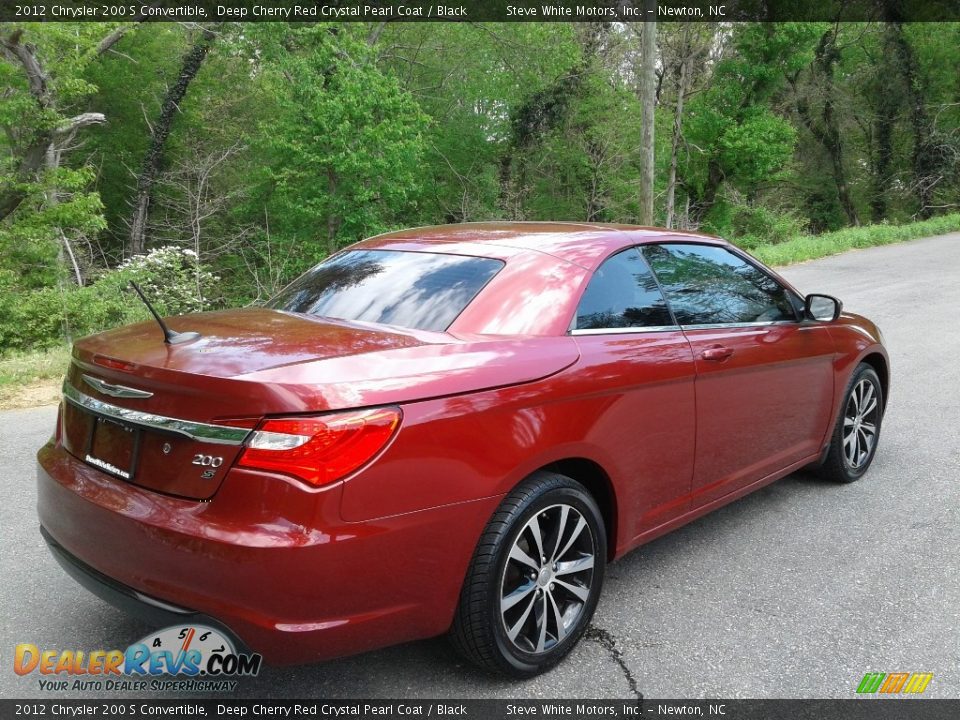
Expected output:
{"points": [[742, 141], [267, 148], [473, 82], [347, 142], [43, 204]]}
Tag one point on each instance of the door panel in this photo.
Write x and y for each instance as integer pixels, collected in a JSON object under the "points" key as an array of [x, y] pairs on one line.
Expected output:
{"points": [[646, 419], [764, 377], [637, 367], [761, 408]]}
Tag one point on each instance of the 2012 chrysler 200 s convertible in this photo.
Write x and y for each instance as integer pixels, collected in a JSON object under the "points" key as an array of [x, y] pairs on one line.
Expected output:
{"points": [[446, 430]]}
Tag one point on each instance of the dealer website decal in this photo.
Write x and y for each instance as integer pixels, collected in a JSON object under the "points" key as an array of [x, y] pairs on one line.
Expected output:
{"points": [[206, 657]]}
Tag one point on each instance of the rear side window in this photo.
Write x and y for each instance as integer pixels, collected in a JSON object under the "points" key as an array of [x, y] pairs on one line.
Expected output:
{"points": [[422, 291], [709, 285], [622, 294]]}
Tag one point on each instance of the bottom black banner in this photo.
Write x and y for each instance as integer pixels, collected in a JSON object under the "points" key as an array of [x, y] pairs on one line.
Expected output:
{"points": [[865, 709]]}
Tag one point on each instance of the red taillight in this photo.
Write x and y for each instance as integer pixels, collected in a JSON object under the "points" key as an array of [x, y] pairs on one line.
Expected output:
{"points": [[322, 449]]}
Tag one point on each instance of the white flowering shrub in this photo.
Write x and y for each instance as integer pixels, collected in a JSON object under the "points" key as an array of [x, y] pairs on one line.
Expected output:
{"points": [[171, 277]]}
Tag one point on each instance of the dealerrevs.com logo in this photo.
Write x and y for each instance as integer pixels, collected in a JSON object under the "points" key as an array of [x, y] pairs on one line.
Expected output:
{"points": [[191, 658]]}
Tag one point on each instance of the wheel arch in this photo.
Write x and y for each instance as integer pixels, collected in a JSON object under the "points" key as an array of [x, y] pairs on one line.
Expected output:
{"points": [[880, 365], [595, 479]]}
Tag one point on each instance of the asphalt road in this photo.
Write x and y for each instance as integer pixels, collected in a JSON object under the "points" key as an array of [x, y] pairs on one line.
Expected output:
{"points": [[794, 591]]}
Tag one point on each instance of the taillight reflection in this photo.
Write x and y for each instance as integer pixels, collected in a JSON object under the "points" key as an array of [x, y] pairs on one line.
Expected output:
{"points": [[113, 363]]}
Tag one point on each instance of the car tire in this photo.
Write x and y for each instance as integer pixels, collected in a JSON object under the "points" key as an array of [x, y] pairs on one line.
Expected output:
{"points": [[518, 614], [857, 431]]}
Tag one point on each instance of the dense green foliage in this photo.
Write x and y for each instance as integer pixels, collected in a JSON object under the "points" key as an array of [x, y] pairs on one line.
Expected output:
{"points": [[262, 148], [170, 276]]}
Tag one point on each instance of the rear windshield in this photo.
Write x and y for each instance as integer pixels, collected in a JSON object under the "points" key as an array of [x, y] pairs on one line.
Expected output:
{"points": [[423, 291]]}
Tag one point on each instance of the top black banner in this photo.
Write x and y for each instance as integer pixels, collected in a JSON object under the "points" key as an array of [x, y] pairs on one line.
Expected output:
{"points": [[632, 11]]}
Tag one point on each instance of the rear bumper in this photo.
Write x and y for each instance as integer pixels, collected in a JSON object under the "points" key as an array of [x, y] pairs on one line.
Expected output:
{"points": [[131, 602], [270, 563]]}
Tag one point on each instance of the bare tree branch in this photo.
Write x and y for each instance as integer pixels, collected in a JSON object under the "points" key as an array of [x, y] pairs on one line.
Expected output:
{"points": [[112, 39], [73, 124], [375, 32]]}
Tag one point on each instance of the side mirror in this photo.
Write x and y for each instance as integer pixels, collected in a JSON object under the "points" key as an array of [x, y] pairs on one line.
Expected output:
{"points": [[824, 308]]}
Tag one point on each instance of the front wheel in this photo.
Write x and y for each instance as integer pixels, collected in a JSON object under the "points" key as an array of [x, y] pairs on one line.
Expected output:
{"points": [[857, 432], [534, 580]]}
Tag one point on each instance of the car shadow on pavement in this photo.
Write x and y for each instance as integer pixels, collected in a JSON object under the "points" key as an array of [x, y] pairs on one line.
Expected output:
{"points": [[431, 668]]}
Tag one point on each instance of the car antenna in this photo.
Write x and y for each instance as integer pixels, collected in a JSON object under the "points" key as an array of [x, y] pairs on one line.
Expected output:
{"points": [[170, 337]]}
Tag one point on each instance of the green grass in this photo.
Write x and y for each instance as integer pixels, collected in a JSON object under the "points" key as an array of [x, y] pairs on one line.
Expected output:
{"points": [[808, 247], [29, 367]]}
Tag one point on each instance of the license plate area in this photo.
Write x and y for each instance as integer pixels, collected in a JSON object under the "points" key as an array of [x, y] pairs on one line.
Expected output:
{"points": [[149, 458], [113, 447]]}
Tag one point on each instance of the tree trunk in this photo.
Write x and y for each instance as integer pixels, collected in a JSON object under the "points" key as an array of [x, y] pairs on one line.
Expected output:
{"points": [[505, 183], [889, 104], [37, 153], [924, 161], [883, 156], [333, 221], [150, 169], [74, 265], [648, 100], [705, 201], [830, 138], [595, 193], [828, 134], [835, 150], [682, 83]]}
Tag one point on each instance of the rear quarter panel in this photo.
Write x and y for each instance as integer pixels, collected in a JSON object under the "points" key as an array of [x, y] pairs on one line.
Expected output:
{"points": [[481, 445]]}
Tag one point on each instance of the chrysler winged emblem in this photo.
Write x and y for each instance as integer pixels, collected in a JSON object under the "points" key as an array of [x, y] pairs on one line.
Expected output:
{"points": [[120, 391]]}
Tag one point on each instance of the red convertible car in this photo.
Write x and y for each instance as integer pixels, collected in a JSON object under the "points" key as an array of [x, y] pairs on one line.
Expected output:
{"points": [[446, 430]]}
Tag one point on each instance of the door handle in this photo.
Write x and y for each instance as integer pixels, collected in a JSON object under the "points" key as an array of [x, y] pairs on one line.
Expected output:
{"points": [[717, 353]]}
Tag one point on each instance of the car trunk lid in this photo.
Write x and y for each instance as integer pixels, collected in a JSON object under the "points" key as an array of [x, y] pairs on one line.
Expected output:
{"points": [[172, 418]]}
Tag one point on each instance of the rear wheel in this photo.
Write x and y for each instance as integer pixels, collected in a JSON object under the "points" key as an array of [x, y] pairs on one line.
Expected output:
{"points": [[857, 431], [534, 580]]}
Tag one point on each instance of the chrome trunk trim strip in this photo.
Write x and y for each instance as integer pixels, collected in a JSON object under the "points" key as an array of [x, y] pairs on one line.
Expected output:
{"points": [[201, 432]]}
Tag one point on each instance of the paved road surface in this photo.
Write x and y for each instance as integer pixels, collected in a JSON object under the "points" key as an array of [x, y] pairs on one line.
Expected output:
{"points": [[795, 591]]}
